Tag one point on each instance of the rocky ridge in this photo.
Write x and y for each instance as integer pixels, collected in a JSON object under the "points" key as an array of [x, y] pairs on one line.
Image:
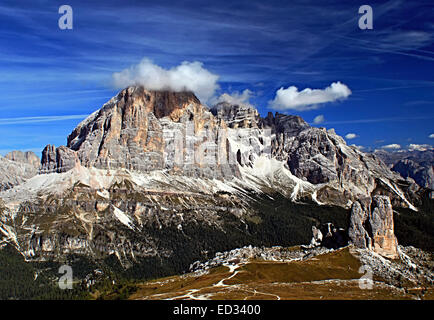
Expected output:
{"points": [[28, 157], [16, 168], [153, 166], [145, 130]]}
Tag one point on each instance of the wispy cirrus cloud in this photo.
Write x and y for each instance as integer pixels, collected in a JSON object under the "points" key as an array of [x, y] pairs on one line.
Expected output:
{"points": [[405, 39], [374, 120], [26, 120], [411, 43]]}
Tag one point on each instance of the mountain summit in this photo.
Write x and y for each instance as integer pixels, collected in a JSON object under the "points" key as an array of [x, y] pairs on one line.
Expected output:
{"points": [[144, 130]]}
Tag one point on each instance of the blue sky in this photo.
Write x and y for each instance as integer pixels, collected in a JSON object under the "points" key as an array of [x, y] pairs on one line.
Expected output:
{"points": [[50, 79]]}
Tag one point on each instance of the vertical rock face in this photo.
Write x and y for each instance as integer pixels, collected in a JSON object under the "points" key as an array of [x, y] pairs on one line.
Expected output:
{"points": [[16, 167], [58, 160], [28, 157], [320, 156], [146, 130], [384, 239], [13, 173], [236, 116], [371, 226]]}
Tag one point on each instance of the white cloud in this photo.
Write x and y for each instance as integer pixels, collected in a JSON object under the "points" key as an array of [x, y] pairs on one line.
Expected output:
{"points": [[431, 136], [419, 147], [391, 146], [319, 119], [188, 76], [236, 98], [351, 136], [308, 99]]}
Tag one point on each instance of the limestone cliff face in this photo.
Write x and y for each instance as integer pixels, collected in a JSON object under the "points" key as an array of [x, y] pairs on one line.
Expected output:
{"points": [[320, 156], [315, 155], [16, 167], [28, 157], [13, 173], [421, 172], [236, 116], [150, 130], [58, 160], [415, 164], [371, 226]]}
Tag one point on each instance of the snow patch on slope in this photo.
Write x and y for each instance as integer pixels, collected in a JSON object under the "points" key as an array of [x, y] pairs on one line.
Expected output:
{"points": [[399, 193], [123, 218], [273, 174]]}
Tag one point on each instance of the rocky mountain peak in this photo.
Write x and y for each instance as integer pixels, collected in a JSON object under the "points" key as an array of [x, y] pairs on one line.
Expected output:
{"points": [[160, 103], [145, 130], [236, 115], [131, 107], [415, 164], [289, 124]]}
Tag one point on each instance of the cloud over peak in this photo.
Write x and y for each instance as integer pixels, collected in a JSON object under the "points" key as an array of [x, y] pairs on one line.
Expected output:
{"points": [[308, 99], [236, 98], [188, 76]]}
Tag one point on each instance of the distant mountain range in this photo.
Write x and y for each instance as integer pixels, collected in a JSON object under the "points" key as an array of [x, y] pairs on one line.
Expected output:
{"points": [[415, 164]]}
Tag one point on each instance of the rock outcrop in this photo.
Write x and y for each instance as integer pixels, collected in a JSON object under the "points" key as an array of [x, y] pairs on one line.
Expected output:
{"points": [[58, 160], [328, 236], [236, 116], [316, 237], [372, 227]]}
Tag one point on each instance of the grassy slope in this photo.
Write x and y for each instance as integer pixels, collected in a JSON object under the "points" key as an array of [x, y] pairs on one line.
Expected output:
{"points": [[329, 276]]}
